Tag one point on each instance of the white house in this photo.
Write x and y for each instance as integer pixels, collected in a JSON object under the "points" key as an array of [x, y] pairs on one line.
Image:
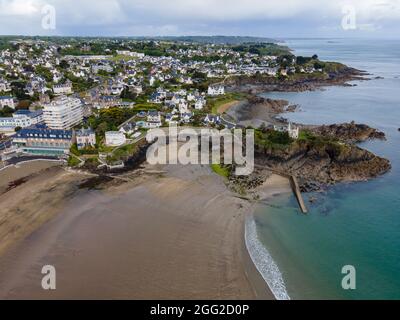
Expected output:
{"points": [[183, 107], [129, 128], [64, 88], [212, 119], [7, 101], [186, 117], [4, 86], [115, 138], [200, 103], [102, 66], [154, 119], [216, 90], [293, 132], [85, 138], [22, 119]]}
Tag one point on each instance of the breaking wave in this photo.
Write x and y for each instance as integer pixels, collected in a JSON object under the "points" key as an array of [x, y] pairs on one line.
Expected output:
{"points": [[264, 262]]}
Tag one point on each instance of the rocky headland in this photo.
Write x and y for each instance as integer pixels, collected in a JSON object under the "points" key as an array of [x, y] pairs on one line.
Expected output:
{"points": [[340, 75]]}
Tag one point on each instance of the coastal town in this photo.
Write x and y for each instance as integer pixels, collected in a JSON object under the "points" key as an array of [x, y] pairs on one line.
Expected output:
{"points": [[94, 99], [196, 158], [77, 191]]}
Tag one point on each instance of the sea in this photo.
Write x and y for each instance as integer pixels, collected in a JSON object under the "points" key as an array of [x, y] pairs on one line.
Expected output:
{"points": [[351, 226]]}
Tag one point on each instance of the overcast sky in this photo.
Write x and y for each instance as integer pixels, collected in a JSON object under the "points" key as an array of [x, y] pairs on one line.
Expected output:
{"points": [[269, 18]]}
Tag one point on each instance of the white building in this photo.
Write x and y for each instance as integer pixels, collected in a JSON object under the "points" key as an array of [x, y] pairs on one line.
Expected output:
{"points": [[85, 138], [183, 107], [4, 86], [103, 67], [200, 103], [7, 101], [131, 53], [293, 132], [63, 113], [115, 138], [22, 119], [65, 88], [216, 90], [154, 119]]}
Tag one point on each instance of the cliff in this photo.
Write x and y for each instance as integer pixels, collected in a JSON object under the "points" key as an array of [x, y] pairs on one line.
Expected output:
{"points": [[317, 162]]}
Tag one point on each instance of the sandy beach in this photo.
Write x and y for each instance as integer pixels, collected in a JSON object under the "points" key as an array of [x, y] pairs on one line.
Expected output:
{"points": [[176, 235]]}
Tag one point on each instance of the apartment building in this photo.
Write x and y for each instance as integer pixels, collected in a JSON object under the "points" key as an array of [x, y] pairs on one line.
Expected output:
{"points": [[63, 113]]}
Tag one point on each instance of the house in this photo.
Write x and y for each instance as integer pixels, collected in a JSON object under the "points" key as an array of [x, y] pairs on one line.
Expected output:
{"points": [[102, 66], [85, 138], [290, 129], [115, 138], [40, 140], [4, 86], [183, 107], [155, 98], [211, 119], [136, 89], [116, 89], [129, 128], [7, 101], [105, 102], [186, 117], [200, 103], [141, 114], [154, 119], [65, 88], [216, 90], [22, 119], [293, 132], [169, 117]]}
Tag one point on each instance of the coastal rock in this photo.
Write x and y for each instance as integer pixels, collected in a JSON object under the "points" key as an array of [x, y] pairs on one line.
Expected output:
{"points": [[349, 132], [302, 82], [317, 165]]}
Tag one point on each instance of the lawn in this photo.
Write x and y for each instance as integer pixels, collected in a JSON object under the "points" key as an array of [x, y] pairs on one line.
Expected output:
{"points": [[221, 171]]}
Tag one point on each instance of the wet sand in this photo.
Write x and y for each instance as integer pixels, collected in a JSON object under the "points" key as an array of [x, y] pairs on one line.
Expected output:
{"points": [[177, 236], [41, 191]]}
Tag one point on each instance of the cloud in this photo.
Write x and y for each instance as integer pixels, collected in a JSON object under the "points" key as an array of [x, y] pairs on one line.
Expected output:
{"points": [[151, 17], [17, 7]]}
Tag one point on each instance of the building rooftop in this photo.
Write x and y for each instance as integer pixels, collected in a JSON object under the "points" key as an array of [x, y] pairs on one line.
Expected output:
{"points": [[41, 131]]}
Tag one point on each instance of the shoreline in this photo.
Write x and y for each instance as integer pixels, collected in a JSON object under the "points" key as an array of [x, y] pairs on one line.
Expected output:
{"points": [[257, 253]]}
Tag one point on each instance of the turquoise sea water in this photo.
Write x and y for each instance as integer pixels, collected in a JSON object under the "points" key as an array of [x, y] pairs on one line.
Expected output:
{"points": [[354, 224]]}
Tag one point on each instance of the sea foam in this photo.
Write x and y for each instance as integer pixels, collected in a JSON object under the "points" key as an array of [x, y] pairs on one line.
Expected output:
{"points": [[264, 262]]}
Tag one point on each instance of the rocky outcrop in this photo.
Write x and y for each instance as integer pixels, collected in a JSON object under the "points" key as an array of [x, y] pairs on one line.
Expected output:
{"points": [[319, 164], [349, 132], [301, 82]]}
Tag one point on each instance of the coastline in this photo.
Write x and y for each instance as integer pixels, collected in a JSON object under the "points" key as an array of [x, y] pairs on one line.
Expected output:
{"points": [[261, 261], [176, 237]]}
